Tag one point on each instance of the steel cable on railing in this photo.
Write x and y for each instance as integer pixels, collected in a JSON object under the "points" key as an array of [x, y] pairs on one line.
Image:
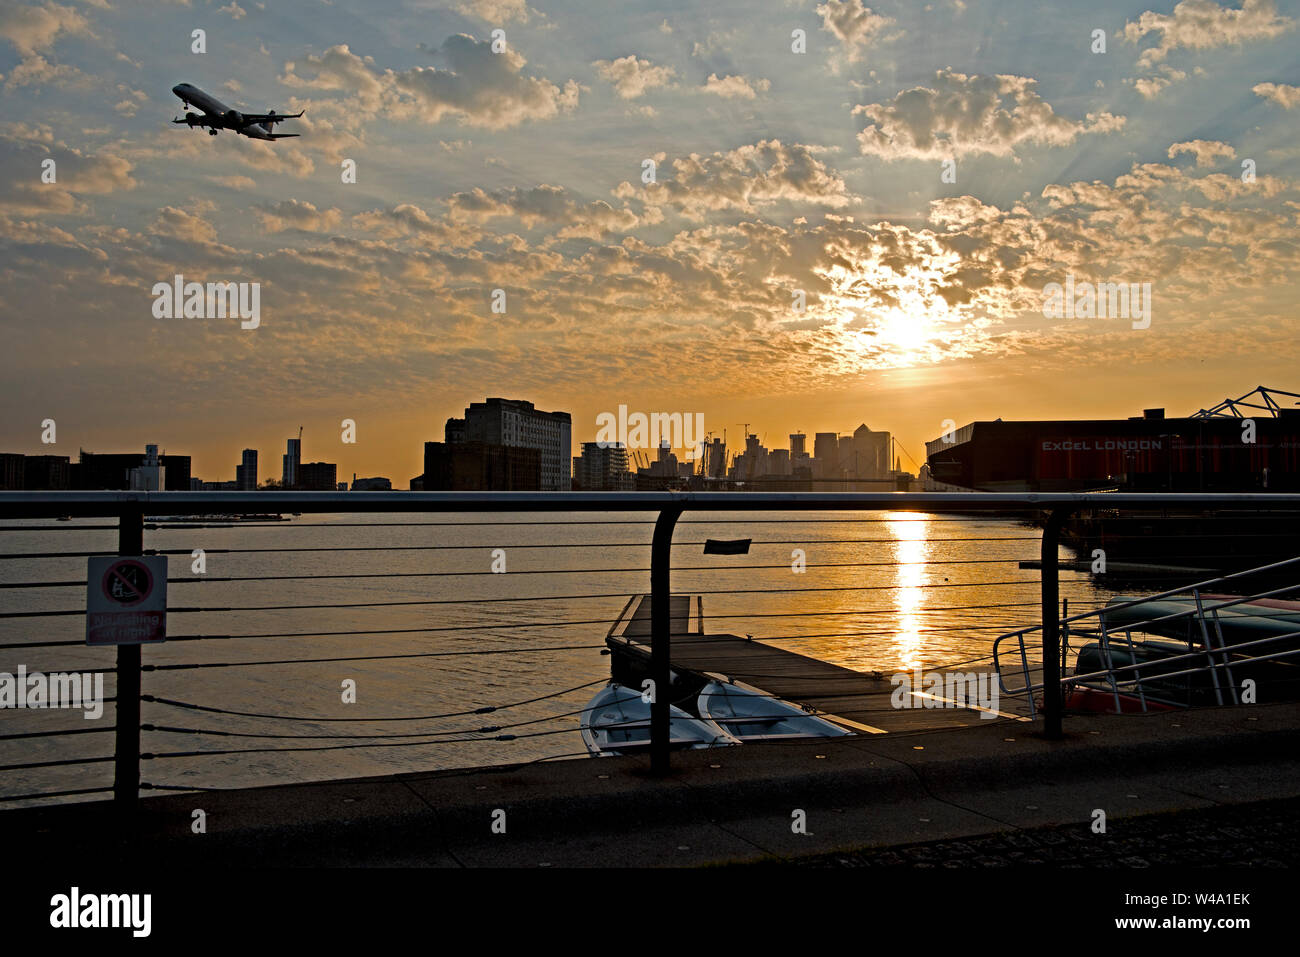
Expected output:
{"points": [[527, 598], [394, 744], [202, 579], [53, 794], [575, 545], [52, 734], [149, 756], [652, 509], [54, 764], [504, 626], [485, 729], [488, 709]]}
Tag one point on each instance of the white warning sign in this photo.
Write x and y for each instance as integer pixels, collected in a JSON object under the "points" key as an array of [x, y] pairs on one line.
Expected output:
{"points": [[126, 600]]}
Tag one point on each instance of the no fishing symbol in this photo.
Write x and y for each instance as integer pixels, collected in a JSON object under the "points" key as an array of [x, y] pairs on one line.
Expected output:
{"points": [[126, 600]]}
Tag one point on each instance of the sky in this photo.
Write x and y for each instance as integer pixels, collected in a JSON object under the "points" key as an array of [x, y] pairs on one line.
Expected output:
{"points": [[803, 215]]}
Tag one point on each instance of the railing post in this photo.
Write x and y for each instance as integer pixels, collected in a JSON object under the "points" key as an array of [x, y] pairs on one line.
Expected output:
{"points": [[1050, 571], [126, 768], [661, 628]]}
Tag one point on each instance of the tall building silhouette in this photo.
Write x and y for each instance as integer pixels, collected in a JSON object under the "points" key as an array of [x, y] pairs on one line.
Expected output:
{"points": [[292, 461], [246, 471], [514, 423], [602, 469]]}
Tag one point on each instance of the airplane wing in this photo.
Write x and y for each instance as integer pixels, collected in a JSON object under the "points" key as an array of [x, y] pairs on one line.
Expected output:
{"points": [[197, 119], [270, 117]]}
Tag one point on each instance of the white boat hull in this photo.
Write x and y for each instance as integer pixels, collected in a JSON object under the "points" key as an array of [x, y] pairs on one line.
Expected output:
{"points": [[753, 716], [617, 721]]}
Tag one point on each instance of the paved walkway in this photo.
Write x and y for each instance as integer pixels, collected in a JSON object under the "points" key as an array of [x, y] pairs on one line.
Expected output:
{"points": [[1262, 834], [902, 792]]}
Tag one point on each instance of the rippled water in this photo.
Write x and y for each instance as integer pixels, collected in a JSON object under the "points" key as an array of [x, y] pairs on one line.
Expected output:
{"points": [[428, 629]]}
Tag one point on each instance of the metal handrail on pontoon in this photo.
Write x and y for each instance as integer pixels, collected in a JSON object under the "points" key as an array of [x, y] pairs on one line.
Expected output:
{"points": [[1203, 615]]}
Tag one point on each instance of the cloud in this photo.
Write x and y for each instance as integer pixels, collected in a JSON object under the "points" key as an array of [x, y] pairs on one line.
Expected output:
{"points": [[296, 214], [332, 140], [632, 77], [1206, 151], [744, 179], [32, 28], [234, 9], [37, 71], [735, 87], [529, 205], [234, 182], [965, 115], [1204, 25], [542, 204], [78, 174], [853, 23], [962, 282], [173, 223], [478, 87], [1153, 85], [409, 220], [338, 68], [1280, 93], [597, 296], [496, 12], [276, 158], [482, 88]]}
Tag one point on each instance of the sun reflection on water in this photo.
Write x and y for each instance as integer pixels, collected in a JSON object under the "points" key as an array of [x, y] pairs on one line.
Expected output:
{"points": [[911, 532]]}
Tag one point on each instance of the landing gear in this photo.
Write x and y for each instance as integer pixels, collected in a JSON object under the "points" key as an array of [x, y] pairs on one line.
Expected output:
{"points": [[212, 132]]}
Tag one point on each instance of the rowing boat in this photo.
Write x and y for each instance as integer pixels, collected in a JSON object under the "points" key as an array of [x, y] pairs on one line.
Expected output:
{"points": [[617, 721], [750, 715]]}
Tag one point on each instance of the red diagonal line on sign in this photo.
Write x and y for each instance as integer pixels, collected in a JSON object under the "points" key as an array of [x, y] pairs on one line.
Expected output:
{"points": [[117, 575]]}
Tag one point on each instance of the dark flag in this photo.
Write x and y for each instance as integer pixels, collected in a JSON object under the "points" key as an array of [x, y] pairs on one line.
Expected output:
{"points": [[738, 546]]}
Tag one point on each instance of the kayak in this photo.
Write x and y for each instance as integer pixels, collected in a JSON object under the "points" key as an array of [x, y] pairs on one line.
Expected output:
{"points": [[617, 721], [753, 716]]}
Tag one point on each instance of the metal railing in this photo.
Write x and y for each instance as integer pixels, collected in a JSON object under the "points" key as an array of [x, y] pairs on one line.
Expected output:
{"points": [[130, 508], [1208, 652]]}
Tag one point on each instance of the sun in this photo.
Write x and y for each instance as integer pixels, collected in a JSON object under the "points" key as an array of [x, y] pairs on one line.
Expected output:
{"points": [[905, 331]]}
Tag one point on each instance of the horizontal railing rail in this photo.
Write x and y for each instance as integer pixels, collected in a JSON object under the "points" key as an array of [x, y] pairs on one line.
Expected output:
{"points": [[110, 503]]}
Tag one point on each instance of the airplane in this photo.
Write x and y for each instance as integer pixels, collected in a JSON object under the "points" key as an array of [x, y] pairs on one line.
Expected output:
{"points": [[217, 116]]}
